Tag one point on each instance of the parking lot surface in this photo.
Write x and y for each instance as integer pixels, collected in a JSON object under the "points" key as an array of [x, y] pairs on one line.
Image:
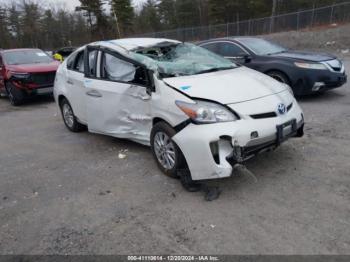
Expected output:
{"points": [[66, 193]]}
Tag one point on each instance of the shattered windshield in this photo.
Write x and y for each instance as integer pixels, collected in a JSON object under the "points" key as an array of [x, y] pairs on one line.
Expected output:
{"points": [[181, 59]]}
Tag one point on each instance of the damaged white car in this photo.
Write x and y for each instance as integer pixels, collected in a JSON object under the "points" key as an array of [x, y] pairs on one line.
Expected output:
{"points": [[197, 111]]}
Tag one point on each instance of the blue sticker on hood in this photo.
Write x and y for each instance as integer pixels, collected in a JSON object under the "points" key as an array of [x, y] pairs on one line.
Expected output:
{"points": [[183, 88], [87, 82]]}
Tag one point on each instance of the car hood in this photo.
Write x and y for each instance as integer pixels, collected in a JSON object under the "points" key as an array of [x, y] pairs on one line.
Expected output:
{"points": [[306, 56], [34, 68], [227, 86]]}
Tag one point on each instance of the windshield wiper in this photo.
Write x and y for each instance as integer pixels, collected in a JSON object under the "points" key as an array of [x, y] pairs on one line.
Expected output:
{"points": [[214, 70]]}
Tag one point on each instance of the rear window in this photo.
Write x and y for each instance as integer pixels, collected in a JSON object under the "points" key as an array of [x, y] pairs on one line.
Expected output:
{"points": [[26, 57]]}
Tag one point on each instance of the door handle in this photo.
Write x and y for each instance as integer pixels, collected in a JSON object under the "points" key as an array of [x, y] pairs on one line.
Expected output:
{"points": [[94, 93], [70, 82]]}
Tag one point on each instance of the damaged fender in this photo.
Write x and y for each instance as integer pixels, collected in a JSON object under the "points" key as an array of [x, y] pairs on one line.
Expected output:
{"points": [[194, 144]]}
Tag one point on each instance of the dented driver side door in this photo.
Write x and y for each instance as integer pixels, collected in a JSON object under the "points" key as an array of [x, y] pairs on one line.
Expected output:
{"points": [[118, 97]]}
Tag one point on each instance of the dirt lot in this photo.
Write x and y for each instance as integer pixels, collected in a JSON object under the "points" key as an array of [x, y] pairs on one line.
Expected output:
{"points": [[334, 39], [65, 193]]}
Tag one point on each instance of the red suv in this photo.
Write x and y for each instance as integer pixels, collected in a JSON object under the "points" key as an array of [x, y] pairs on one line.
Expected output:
{"points": [[25, 73]]}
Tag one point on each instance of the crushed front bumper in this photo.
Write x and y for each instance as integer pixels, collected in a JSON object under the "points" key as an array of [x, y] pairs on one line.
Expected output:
{"points": [[211, 151], [28, 90], [284, 132]]}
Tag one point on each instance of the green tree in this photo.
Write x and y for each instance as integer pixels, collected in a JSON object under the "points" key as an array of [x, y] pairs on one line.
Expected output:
{"points": [[187, 13], [80, 31], [63, 27], [167, 13], [94, 10], [47, 23], [30, 24], [228, 11], [148, 19], [4, 35], [14, 26], [123, 12]]}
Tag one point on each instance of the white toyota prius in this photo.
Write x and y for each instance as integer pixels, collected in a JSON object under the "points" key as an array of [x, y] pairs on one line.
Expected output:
{"points": [[198, 111]]}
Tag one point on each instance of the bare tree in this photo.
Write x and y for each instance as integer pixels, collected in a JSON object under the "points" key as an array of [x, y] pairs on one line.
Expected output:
{"points": [[273, 14]]}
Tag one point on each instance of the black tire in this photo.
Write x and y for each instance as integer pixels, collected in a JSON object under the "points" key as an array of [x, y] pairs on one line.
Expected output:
{"points": [[279, 76], [188, 183], [300, 131], [15, 96], [179, 160], [72, 124]]}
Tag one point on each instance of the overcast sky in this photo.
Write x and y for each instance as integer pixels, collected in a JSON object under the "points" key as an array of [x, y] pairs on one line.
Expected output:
{"points": [[70, 4]]}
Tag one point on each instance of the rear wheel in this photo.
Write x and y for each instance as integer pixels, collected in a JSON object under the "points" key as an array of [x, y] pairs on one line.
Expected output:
{"points": [[15, 96], [70, 120], [166, 153]]}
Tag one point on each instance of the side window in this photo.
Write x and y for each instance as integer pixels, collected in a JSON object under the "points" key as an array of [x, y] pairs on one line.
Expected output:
{"points": [[230, 50], [211, 47], [116, 69], [79, 62], [70, 61], [92, 62]]}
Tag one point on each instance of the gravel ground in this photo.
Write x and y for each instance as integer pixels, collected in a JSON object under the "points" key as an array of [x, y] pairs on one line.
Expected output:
{"points": [[65, 193], [332, 39]]}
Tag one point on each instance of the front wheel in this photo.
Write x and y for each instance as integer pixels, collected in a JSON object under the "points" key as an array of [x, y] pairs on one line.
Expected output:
{"points": [[166, 153], [15, 96], [70, 120], [279, 76]]}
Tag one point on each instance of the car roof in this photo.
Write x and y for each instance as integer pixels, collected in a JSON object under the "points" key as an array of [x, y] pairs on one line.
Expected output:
{"points": [[134, 43], [233, 38], [246, 37], [125, 45]]}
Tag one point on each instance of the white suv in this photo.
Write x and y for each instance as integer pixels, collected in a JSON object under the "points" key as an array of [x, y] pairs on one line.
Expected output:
{"points": [[197, 111]]}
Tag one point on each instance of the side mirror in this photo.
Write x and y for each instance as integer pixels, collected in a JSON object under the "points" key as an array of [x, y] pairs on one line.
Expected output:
{"points": [[247, 58]]}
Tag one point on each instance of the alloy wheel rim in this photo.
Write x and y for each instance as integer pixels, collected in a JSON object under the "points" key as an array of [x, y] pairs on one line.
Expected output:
{"points": [[165, 150], [68, 115]]}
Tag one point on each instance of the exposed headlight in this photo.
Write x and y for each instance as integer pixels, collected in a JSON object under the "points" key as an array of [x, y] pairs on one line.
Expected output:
{"points": [[19, 75], [317, 66], [202, 112]]}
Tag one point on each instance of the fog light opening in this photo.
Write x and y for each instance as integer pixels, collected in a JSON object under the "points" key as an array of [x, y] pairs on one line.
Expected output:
{"points": [[254, 135], [317, 86], [214, 147]]}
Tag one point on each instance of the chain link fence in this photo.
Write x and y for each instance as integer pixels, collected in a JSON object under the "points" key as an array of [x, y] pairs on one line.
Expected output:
{"points": [[337, 13]]}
